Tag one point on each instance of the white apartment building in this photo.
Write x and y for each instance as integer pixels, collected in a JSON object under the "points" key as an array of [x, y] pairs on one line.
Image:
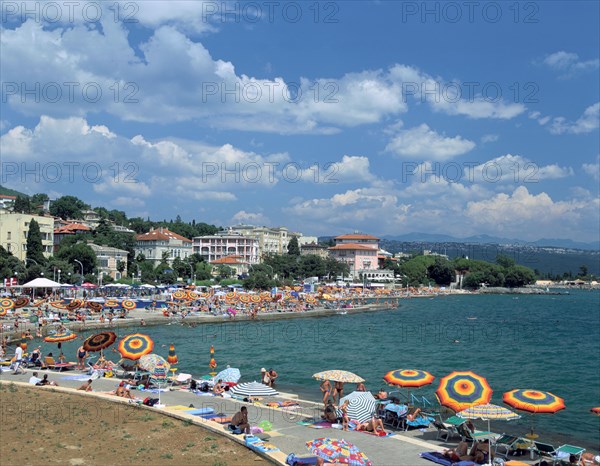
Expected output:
{"points": [[108, 258], [270, 240], [217, 247]]}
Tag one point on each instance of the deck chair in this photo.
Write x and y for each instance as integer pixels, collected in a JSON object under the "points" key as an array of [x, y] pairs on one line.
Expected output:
{"points": [[544, 450], [564, 452], [444, 432], [505, 444], [60, 366]]}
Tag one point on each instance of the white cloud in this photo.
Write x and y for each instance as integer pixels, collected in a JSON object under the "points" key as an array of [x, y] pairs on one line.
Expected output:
{"points": [[250, 218], [424, 143], [586, 123], [568, 64], [592, 169], [520, 212], [489, 138], [349, 169], [516, 169], [138, 83]]}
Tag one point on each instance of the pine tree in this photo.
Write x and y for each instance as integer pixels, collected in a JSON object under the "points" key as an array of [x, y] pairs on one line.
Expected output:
{"points": [[293, 247], [35, 249]]}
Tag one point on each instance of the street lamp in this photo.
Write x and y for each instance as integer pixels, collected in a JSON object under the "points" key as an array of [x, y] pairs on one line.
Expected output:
{"points": [[31, 260], [192, 274], [79, 262]]}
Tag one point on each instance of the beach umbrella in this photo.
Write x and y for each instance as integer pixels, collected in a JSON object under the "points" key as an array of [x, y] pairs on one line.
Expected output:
{"points": [[596, 410], [21, 302], [338, 376], [255, 298], [128, 304], [361, 406], [149, 362], [192, 295], [231, 375], [338, 451], [534, 401], [74, 304], [60, 337], [135, 346], [88, 285], [58, 304], [408, 378], [6, 304], [94, 306], [99, 341], [111, 303], [158, 375], [172, 357], [461, 390], [488, 412], [253, 389], [180, 295]]}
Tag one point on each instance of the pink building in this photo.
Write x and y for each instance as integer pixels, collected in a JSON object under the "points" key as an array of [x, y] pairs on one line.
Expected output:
{"points": [[357, 250]]}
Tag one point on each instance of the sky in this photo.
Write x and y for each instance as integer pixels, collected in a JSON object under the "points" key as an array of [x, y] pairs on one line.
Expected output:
{"points": [[384, 117]]}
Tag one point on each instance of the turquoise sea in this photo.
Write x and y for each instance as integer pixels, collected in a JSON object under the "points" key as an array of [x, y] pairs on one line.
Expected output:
{"points": [[543, 342]]}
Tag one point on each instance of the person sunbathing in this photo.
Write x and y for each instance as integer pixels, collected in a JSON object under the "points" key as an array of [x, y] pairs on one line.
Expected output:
{"points": [[218, 388], [372, 426], [459, 453], [481, 452], [415, 415], [329, 413], [123, 391]]}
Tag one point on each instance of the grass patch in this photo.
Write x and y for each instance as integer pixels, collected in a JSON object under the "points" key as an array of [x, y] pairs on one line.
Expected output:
{"points": [[167, 456]]}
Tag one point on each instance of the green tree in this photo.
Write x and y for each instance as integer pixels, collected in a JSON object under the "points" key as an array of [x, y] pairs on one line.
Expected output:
{"points": [[518, 276], [35, 249], [22, 205], [81, 252], [9, 264], [583, 271], [441, 272], [293, 247], [68, 207], [505, 261]]}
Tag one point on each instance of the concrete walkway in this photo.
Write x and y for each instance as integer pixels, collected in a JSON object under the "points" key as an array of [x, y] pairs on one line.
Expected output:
{"points": [[401, 449]]}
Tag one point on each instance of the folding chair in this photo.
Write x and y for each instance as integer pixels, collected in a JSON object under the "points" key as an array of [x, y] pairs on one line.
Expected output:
{"points": [[504, 445], [443, 431], [565, 452]]}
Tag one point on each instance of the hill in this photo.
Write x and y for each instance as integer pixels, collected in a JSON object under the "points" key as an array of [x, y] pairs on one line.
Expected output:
{"points": [[10, 192]]}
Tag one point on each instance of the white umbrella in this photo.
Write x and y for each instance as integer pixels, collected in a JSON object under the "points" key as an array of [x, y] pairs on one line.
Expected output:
{"points": [[231, 374], [361, 406], [253, 389]]}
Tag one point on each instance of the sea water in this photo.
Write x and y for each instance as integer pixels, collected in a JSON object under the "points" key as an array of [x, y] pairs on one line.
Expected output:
{"points": [[541, 342]]}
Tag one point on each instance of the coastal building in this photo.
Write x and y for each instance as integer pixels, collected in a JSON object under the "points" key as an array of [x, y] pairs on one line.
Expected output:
{"points": [[359, 251], [67, 229], [237, 263], [302, 240], [220, 246], [314, 249], [161, 243], [108, 260], [6, 201], [14, 228], [270, 240]]}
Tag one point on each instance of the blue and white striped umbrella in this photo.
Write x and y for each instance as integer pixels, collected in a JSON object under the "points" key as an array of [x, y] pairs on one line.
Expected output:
{"points": [[253, 389], [361, 406], [231, 374]]}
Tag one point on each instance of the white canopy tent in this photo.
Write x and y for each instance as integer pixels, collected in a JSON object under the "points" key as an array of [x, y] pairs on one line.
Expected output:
{"points": [[41, 283]]}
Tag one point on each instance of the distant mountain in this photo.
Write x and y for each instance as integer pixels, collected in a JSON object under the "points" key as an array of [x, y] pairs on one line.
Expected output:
{"points": [[487, 239], [10, 192]]}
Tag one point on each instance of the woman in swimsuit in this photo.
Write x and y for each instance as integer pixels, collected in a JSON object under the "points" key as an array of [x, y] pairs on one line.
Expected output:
{"points": [[81, 355], [326, 389]]}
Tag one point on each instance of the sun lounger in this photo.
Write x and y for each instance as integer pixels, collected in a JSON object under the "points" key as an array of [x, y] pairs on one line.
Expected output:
{"points": [[544, 450], [61, 366], [565, 452], [445, 432], [505, 444], [439, 458]]}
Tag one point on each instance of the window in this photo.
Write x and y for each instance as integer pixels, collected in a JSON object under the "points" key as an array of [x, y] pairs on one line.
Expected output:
{"points": [[8, 233]]}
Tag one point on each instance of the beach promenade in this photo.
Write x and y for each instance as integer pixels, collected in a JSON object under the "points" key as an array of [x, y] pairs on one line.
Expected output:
{"points": [[400, 449]]}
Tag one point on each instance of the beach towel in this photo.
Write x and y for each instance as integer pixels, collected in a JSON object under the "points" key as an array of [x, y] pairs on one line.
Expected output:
{"points": [[321, 425], [257, 444], [200, 411], [80, 378], [293, 460]]}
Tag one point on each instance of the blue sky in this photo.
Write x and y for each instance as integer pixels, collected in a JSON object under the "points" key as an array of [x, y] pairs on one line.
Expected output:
{"points": [[325, 117]]}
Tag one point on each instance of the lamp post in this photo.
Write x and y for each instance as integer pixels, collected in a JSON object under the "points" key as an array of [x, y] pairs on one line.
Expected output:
{"points": [[31, 260], [79, 262], [192, 274]]}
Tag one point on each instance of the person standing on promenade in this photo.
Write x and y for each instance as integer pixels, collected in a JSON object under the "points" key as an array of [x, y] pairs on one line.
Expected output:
{"points": [[18, 360], [326, 389], [338, 391], [81, 355]]}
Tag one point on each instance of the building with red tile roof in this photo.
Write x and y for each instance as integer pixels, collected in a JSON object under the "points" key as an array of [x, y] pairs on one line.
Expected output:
{"points": [[162, 242]]}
